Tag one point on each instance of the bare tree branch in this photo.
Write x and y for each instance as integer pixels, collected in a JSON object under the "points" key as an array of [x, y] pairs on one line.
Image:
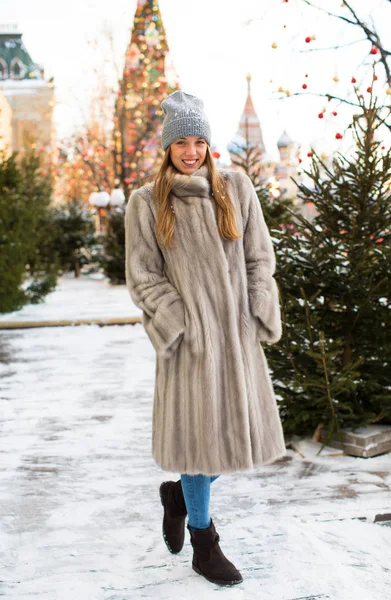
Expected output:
{"points": [[370, 33]]}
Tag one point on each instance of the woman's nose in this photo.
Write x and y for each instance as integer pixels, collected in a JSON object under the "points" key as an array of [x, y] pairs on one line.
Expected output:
{"points": [[191, 150]]}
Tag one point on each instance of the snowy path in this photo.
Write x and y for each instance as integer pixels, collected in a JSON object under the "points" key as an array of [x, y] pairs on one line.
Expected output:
{"points": [[80, 514], [83, 298]]}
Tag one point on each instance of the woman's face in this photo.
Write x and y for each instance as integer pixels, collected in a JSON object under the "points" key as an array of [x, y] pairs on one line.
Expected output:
{"points": [[188, 154]]}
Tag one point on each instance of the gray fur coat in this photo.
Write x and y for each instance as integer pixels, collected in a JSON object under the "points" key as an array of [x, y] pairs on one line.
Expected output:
{"points": [[207, 304]]}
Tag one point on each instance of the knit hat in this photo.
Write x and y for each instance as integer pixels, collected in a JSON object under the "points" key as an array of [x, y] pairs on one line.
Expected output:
{"points": [[184, 115]]}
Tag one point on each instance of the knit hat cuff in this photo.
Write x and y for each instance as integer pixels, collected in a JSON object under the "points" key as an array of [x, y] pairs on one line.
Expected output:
{"points": [[182, 127]]}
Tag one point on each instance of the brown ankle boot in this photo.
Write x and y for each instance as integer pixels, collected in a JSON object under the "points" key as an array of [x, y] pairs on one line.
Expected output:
{"points": [[209, 560], [175, 512]]}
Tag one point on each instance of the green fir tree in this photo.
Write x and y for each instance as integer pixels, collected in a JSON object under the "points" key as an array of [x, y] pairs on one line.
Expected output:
{"points": [[332, 366], [28, 271], [75, 242], [113, 261]]}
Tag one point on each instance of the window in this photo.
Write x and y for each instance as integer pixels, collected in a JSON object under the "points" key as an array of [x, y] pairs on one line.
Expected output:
{"points": [[17, 68], [3, 69]]}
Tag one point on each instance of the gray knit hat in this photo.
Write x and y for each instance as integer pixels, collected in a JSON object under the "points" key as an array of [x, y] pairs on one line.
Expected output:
{"points": [[184, 115]]}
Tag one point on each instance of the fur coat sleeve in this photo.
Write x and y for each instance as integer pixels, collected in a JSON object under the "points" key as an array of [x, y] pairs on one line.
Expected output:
{"points": [[260, 266], [163, 310]]}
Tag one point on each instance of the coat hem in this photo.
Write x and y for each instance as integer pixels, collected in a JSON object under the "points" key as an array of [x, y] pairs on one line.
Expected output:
{"points": [[226, 471]]}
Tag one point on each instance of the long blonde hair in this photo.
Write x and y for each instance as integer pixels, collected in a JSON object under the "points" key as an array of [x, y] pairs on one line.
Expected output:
{"points": [[165, 218]]}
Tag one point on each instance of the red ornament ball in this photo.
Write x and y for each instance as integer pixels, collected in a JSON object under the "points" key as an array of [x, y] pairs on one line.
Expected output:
{"points": [[308, 39], [309, 154], [334, 113], [304, 86], [375, 78], [374, 50], [320, 115], [216, 154], [369, 90], [338, 136], [354, 80]]}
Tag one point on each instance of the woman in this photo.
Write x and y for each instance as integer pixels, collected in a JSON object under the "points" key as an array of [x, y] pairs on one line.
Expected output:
{"points": [[200, 264]]}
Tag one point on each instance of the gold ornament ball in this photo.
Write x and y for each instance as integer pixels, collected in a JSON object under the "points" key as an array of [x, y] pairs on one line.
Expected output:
{"points": [[281, 89], [133, 166], [138, 153], [335, 78], [388, 91], [274, 45]]}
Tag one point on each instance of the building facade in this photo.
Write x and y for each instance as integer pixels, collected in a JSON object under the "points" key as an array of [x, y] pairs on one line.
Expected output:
{"points": [[249, 140], [29, 94]]}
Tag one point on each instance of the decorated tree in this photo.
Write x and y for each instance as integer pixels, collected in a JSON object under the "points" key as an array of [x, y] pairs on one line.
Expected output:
{"points": [[332, 365], [147, 79]]}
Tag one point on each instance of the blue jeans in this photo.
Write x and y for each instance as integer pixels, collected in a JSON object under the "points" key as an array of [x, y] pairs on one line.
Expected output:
{"points": [[196, 491]]}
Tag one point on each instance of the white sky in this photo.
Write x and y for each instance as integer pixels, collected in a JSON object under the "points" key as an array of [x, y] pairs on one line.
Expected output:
{"points": [[213, 49]]}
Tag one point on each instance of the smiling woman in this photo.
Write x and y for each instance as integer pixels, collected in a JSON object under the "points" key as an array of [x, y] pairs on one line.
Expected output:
{"points": [[208, 301]]}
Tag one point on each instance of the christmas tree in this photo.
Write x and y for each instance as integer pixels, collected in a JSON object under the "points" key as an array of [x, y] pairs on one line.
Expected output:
{"points": [[333, 363], [147, 79]]}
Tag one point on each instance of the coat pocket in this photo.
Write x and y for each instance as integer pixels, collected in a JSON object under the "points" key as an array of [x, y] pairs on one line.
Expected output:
{"points": [[165, 328]]}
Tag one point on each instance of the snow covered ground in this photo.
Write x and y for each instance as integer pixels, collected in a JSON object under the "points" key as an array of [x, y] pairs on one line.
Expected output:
{"points": [[80, 517], [88, 297]]}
